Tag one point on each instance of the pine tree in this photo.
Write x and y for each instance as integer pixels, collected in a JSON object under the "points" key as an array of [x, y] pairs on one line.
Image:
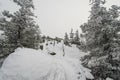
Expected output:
{"points": [[66, 39], [21, 30], [71, 34], [5, 48], [77, 38], [102, 40]]}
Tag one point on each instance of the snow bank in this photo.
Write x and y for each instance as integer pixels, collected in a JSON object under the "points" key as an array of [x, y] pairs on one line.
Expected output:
{"points": [[29, 64]]}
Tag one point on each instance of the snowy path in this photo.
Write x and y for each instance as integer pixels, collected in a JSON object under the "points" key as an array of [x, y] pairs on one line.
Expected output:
{"points": [[71, 52], [29, 64]]}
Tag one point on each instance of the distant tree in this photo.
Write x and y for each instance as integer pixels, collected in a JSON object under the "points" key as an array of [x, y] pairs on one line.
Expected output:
{"points": [[43, 38], [76, 38], [71, 34], [102, 40], [66, 39]]}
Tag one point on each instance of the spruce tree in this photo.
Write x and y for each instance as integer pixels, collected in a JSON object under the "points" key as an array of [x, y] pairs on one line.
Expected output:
{"points": [[71, 34], [66, 39], [77, 38], [102, 40], [5, 48], [21, 30]]}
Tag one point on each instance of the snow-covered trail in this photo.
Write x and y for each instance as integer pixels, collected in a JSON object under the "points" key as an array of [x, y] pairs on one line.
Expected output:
{"points": [[71, 52], [30, 64]]}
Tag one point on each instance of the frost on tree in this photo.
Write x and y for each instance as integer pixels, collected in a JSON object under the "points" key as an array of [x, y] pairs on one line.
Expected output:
{"points": [[103, 41], [21, 29]]}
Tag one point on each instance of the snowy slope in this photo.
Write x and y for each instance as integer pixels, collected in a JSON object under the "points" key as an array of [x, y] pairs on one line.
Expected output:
{"points": [[30, 64]]}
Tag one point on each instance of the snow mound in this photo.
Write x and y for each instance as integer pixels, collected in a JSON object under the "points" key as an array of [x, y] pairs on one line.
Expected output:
{"points": [[30, 64]]}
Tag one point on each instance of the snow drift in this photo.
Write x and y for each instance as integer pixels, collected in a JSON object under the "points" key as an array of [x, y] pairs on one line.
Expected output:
{"points": [[30, 64]]}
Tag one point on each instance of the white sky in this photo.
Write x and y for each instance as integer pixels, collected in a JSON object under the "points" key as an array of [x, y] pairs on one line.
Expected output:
{"points": [[55, 17]]}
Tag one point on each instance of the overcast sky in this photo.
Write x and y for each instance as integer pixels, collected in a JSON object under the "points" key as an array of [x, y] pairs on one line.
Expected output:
{"points": [[55, 17]]}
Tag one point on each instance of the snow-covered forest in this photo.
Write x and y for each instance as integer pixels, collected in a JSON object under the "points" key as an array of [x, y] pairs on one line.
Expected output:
{"points": [[92, 52]]}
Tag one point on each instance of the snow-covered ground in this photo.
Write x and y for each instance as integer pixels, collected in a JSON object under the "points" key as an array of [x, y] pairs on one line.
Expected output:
{"points": [[71, 52], [30, 64]]}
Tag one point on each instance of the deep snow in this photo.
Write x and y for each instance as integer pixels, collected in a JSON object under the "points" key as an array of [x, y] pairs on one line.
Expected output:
{"points": [[30, 64]]}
